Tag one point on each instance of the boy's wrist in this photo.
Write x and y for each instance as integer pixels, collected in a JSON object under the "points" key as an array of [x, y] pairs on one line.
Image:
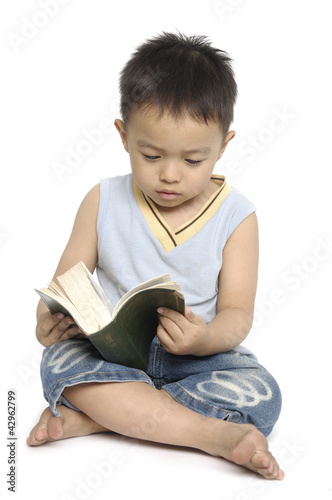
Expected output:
{"points": [[227, 330], [205, 347]]}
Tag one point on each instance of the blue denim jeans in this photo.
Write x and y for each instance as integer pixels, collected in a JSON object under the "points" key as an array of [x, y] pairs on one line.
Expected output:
{"points": [[230, 386]]}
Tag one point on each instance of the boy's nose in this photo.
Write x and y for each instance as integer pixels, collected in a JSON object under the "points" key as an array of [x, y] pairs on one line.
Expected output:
{"points": [[170, 172]]}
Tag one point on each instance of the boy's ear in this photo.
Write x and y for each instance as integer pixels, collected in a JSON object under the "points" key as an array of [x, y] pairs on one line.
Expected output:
{"points": [[228, 138], [119, 125]]}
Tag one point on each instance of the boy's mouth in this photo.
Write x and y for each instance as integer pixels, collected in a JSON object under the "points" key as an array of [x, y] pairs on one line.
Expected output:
{"points": [[168, 195]]}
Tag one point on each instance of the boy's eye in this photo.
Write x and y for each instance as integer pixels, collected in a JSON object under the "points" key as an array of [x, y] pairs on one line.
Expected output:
{"points": [[148, 157], [193, 162]]}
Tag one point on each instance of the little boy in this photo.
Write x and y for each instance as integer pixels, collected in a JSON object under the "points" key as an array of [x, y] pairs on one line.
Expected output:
{"points": [[201, 389]]}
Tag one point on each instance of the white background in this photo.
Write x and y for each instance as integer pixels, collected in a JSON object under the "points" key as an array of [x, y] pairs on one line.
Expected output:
{"points": [[60, 78]]}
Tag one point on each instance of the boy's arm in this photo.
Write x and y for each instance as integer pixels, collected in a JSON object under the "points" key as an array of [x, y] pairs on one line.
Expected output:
{"points": [[82, 245], [237, 288], [235, 305]]}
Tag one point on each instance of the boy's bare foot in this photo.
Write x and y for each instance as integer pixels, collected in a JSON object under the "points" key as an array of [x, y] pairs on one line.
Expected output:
{"points": [[70, 423], [243, 444]]}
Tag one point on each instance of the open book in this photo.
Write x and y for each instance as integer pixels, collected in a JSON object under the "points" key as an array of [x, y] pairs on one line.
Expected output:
{"points": [[122, 334]]}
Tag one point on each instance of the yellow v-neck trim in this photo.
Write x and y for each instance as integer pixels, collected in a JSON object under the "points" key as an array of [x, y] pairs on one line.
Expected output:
{"points": [[171, 238]]}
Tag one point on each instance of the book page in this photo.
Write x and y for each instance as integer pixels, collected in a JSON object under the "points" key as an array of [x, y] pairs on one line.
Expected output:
{"points": [[100, 291], [163, 281], [78, 286]]}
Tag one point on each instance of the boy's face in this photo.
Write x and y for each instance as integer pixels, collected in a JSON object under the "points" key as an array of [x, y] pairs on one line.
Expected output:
{"points": [[172, 160]]}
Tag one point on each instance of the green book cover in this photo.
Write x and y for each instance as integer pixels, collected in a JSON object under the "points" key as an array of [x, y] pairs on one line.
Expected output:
{"points": [[127, 339]]}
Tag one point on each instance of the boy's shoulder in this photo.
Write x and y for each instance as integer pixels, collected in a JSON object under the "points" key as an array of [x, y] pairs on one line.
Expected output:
{"points": [[238, 198], [235, 208], [116, 190], [116, 181], [117, 187], [118, 178], [92, 197]]}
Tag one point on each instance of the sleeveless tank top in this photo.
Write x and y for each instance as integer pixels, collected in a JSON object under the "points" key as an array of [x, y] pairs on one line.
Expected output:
{"points": [[135, 243]]}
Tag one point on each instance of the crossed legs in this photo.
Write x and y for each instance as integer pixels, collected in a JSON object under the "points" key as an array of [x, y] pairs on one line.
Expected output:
{"points": [[138, 410]]}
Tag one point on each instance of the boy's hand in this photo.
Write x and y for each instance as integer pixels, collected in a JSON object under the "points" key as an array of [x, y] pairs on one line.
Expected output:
{"points": [[52, 328], [180, 334]]}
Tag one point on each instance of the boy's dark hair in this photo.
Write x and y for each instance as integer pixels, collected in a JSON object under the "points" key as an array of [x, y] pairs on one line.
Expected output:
{"points": [[180, 74]]}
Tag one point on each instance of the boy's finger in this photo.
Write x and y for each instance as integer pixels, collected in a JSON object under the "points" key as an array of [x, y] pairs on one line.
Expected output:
{"points": [[62, 326], [165, 338], [188, 314], [57, 317], [174, 329], [174, 316], [46, 326], [55, 321], [71, 333]]}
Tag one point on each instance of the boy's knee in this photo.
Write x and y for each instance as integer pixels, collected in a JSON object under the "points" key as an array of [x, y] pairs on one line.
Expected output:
{"points": [[62, 359], [268, 411]]}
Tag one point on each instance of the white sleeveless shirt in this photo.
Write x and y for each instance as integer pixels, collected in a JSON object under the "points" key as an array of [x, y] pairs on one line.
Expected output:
{"points": [[136, 244]]}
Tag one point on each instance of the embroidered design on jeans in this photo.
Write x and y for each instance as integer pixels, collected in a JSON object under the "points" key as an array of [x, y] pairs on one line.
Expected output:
{"points": [[233, 388], [59, 363]]}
